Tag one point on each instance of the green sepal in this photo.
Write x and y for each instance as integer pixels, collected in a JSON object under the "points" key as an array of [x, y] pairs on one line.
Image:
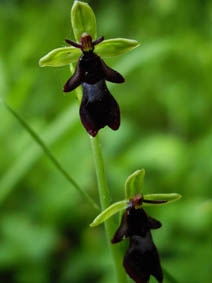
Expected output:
{"points": [[83, 20], [165, 197], [109, 211], [60, 56], [115, 47], [134, 183]]}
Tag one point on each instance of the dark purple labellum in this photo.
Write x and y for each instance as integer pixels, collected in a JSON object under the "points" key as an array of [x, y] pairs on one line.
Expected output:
{"points": [[142, 259], [98, 108]]}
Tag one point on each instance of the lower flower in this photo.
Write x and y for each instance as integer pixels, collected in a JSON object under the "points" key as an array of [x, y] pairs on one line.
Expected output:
{"points": [[141, 259], [98, 108]]}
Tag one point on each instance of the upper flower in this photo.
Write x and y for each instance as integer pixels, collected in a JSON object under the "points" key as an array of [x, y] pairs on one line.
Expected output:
{"points": [[98, 107]]}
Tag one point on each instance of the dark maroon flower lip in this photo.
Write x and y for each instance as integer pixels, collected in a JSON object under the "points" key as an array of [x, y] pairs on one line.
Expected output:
{"points": [[141, 259], [98, 107]]}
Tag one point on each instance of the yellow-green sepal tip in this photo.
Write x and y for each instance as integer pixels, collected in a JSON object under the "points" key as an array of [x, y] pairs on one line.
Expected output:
{"points": [[134, 184], [83, 20]]}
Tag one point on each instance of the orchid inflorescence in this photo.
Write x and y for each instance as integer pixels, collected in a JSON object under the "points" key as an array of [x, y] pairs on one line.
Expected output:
{"points": [[99, 109]]}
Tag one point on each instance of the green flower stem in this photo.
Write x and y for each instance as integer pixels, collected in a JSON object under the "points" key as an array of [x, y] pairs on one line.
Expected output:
{"points": [[105, 202]]}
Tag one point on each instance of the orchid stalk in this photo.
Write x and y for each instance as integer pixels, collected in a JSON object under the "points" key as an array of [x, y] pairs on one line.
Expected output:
{"points": [[98, 108]]}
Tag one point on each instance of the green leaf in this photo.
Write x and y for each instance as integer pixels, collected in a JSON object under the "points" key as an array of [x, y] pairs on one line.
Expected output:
{"points": [[115, 47], [166, 197], [60, 57], [108, 212], [134, 183], [83, 20]]}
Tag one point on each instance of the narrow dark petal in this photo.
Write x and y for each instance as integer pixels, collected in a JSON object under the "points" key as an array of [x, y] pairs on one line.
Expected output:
{"points": [[98, 108], [142, 259], [74, 81], [111, 75], [122, 231], [73, 43], [154, 201], [98, 40]]}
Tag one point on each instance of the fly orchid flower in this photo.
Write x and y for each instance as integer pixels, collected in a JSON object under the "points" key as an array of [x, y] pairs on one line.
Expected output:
{"points": [[98, 108], [141, 259]]}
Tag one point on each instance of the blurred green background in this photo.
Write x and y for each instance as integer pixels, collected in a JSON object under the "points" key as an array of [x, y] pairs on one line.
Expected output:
{"points": [[166, 108]]}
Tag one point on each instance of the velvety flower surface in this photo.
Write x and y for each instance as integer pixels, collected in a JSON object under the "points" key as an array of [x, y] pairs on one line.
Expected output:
{"points": [[141, 259], [98, 108]]}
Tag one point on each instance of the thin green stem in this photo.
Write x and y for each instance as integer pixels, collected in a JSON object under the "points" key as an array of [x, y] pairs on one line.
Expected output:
{"points": [[48, 153], [105, 202]]}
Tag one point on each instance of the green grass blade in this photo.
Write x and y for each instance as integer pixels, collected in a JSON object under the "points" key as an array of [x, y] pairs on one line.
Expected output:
{"points": [[30, 155], [48, 153]]}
